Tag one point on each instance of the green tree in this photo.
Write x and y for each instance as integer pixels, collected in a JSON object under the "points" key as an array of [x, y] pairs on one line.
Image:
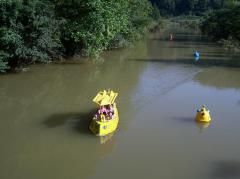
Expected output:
{"points": [[39, 30], [155, 12], [223, 24], [138, 19], [93, 26], [28, 32], [179, 7], [3, 62]]}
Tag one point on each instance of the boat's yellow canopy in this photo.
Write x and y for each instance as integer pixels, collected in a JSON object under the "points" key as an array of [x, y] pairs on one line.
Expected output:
{"points": [[105, 97]]}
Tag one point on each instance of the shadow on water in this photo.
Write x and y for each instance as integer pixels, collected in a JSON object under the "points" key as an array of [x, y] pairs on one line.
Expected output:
{"points": [[186, 46], [78, 121], [217, 55], [185, 41], [189, 120], [201, 62], [226, 169], [238, 102], [184, 38], [219, 78]]}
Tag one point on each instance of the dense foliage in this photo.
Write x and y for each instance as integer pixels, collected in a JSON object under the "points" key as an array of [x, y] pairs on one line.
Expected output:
{"points": [[38, 30], [197, 7], [223, 24], [90, 25], [93, 26], [28, 32], [34, 31]]}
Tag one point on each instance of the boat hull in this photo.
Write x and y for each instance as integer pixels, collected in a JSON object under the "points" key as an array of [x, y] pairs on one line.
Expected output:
{"points": [[102, 128]]}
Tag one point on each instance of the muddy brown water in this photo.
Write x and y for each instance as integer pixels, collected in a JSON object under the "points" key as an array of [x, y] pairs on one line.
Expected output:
{"points": [[45, 114]]}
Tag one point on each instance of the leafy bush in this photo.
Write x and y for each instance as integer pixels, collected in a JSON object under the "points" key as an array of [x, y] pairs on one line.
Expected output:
{"points": [[28, 31], [90, 25], [139, 13], [3, 62], [222, 24], [38, 30], [190, 7], [93, 26]]}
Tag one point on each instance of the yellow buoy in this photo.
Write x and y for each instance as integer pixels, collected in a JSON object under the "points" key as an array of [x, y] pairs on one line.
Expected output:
{"points": [[203, 115]]}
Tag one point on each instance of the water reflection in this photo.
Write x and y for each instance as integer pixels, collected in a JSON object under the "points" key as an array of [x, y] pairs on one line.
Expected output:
{"points": [[197, 58], [206, 62], [220, 78], [162, 50], [202, 126], [226, 169], [238, 102], [46, 111], [108, 143], [106, 139], [99, 61], [191, 122]]}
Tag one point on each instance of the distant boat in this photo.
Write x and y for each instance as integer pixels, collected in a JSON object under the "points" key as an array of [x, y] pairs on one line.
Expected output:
{"points": [[106, 122], [196, 55]]}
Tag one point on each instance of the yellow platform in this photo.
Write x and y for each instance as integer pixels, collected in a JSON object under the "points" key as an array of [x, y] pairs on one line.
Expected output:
{"points": [[104, 125]]}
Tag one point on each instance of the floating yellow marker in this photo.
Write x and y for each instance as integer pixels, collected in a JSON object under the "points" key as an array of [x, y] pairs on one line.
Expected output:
{"points": [[203, 115]]}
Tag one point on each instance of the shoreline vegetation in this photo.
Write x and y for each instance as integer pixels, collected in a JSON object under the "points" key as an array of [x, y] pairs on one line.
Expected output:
{"points": [[40, 31], [43, 31], [223, 26], [230, 44]]}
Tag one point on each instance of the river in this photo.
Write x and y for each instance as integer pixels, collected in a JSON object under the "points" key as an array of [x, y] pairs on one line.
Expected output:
{"points": [[45, 113]]}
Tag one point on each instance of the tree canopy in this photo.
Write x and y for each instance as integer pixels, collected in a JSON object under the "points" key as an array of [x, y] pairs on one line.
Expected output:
{"points": [[223, 24], [39, 30], [186, 7]]}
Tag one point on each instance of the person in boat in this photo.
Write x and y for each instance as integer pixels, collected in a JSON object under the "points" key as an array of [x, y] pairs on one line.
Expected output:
{"points": [[110, 112], [100, 113], [102, 110], [111, 109], [102, 117], [110, 115]]}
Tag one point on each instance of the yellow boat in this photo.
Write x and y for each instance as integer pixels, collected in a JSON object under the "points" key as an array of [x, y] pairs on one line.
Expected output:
{"points": [[106, 118], [203, 115]]}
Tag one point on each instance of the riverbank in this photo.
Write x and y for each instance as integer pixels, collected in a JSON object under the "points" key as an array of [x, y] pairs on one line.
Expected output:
{"points": [[223, 26], [44, 31], [230, 44]]}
